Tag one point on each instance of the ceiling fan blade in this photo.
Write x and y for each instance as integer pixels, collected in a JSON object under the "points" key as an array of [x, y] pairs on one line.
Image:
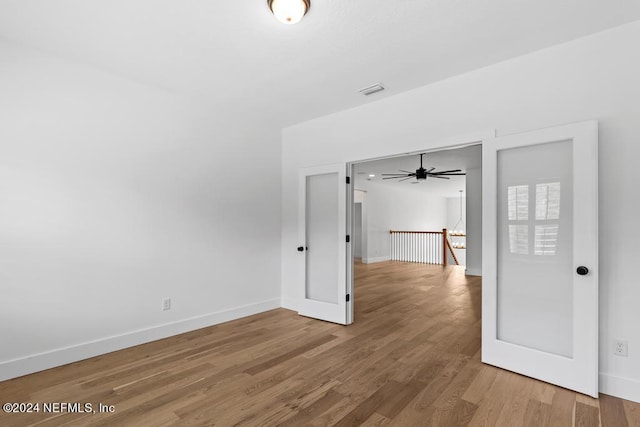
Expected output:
{"points": [[398, 174], [446, 174], [396, 177], [402, 170], [453, 170], [409, 177], [440, 177], [430, 169]]}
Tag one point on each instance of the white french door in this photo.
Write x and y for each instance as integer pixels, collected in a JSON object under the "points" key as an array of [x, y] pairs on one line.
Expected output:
{"points": [[323, 243], [540, 255]]}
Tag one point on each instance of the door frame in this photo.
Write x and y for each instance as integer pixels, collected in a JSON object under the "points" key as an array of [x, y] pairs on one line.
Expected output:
{"points": [[488, 242], [453, 143], [312, 308], [349, 261]]}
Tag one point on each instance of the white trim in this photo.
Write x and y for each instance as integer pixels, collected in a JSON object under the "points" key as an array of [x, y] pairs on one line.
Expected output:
{"points": [[62, 356], [441, 144], [473, 271], [376, 259], [289, 304], [350, 171], [623, 388]]}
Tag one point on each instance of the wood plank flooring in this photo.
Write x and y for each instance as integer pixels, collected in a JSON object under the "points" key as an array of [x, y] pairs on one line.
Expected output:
{"points": [[412, 358]]}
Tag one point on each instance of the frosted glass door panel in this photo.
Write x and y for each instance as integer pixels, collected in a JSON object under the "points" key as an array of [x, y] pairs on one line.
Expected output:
{"points": [[540, 234], [535, 247], [322, 228], [322, 231]]}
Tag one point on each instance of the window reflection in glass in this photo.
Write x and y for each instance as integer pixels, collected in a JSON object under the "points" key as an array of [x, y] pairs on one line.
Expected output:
{"points": [[547, 210], [518, 202], [546, 239], [548, 201], [519, 239]]}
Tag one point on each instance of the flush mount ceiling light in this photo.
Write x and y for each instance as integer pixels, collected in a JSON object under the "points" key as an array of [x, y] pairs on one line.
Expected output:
{"points": [[289, 11]]}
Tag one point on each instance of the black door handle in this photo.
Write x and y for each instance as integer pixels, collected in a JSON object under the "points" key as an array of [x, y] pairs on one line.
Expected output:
{"points": [[300, 248], [582, 270]]}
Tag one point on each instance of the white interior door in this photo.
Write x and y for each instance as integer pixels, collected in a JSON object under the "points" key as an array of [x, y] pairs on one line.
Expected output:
{"points": [[323, 243], [540, 221]]}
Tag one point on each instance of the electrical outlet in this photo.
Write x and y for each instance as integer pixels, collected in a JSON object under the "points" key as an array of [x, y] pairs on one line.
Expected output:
{"points": [[620, 348], [166, 304]]}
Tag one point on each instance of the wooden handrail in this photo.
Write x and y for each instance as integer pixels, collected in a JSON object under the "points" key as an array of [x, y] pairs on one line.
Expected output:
{"points": [[415, 232], [445, 261], [455, 258]]}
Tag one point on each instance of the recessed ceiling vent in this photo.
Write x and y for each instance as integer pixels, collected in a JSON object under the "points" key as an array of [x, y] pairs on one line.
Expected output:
{"points": [[370, 90]]}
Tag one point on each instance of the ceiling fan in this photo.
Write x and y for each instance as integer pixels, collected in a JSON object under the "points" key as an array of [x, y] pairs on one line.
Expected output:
{"points": [[421, 174]]}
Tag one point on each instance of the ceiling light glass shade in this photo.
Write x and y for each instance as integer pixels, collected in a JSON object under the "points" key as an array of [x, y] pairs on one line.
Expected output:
{"points": [[289, 11]]}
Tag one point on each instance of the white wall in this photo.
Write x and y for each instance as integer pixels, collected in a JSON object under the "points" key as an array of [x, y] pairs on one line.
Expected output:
{"points": [[474, 221], [114, 195], [397, 208], [590, 78], [357, 230], [360, 197]]}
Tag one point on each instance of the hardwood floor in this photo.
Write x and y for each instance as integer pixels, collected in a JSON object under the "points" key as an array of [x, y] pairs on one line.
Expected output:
{"points": [[411, 358]]}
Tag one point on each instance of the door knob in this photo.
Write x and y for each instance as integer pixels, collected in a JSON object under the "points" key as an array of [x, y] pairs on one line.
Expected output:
{"points": [[582, 270], [300, 248]]}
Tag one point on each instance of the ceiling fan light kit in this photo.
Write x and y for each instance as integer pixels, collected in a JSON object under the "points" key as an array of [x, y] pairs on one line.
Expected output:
{"points": [[289, 11], [460, 227], [421, 174]]}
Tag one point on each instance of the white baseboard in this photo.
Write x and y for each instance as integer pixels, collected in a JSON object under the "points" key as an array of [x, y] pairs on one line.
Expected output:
{"points": [[289, 304], [620, 387], [62, 356], [377, 259], [473, 272]]}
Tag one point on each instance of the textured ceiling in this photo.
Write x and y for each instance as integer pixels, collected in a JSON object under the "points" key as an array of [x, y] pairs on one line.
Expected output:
{"points": [[234, 55]]}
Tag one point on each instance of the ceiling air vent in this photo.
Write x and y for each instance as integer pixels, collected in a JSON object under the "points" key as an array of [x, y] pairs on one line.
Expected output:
{"points": [[370, 90]]}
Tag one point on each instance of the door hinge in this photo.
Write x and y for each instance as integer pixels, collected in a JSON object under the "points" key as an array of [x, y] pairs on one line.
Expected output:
{"points": [[348, 180], [348, 238], [348, 297]]}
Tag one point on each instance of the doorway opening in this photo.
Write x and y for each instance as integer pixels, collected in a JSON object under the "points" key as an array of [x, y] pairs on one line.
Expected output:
{"points": [[437, 307], [443, 208], [398, 216], [531, 182]]}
